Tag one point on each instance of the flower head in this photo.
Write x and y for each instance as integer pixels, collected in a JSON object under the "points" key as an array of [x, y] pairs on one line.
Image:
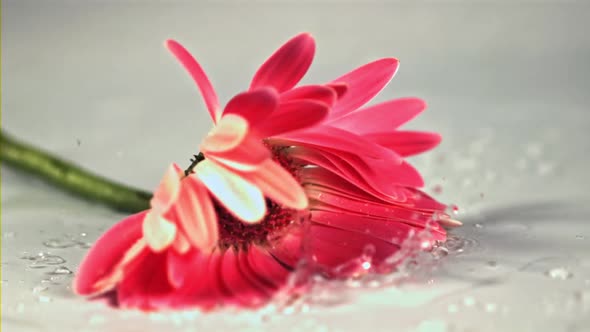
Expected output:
{"points": [[289, 173]]}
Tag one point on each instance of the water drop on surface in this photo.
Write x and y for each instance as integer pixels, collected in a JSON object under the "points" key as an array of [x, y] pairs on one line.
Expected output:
{"points": [[57, 243], [491, 307], [468, 301], [44, 299], [492, 264], [62, 270], [478, 225], [559, 273], [39, 289], [580, 237]]}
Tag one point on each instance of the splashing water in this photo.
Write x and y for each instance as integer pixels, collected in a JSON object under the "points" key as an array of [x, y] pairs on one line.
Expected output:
{"points": [[43, 260]]}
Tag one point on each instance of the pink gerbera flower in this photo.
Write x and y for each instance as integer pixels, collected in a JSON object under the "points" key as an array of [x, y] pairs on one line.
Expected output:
{"points": [[289, 173]]}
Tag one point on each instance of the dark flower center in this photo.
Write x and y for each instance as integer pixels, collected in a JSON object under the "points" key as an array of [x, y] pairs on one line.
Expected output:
{"points": [[239, 235]]}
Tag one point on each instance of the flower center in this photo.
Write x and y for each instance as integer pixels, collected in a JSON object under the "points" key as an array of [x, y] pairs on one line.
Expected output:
{"points": [[235, 233]]}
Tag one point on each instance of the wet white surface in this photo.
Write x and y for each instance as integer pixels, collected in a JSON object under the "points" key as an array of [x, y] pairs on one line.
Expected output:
{"points": [[507, 86]]}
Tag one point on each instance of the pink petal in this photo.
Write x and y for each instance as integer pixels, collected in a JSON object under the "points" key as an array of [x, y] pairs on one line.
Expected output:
{"points": [[226, 135], [382, 117], [320, 93], [287, 248], [167, 190], [292, 116], [145, 284], [198, 75], [278, 184], [287, 65], [252, 275], [337, 139], [196, 214], [267, 267], [338, 87], [242, 290], [335, 249], [107, 252], [242, 198], [254, 105], [180, 267], [406, 143], [364, 83]]}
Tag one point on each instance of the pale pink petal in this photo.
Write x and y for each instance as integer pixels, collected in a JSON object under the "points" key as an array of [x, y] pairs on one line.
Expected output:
{"points": [[242, 198], [319, 93], [167, 190], [383, 117], [406, 143], [158, 232], [364, 83], [278, 184], [292, 116], [198, 75], [226, 135], [287, 65], [181, 244], [196, 214], [247, 155], [254, 105], [180, 266], [107, 252]]}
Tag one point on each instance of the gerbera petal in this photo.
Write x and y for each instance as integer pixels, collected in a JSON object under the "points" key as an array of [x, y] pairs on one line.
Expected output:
{"points": [[406, 143], [242, 290], [247, 155], [278, 184], [226, 135], [167, 190], [339, 87], [196, 214], [287, 248], [335, 249], [382, 117], [287, 65], [267, 267], [198, 75], [106, 252], [364, 83], [254, 105], [337, 139], [321, 93], [292, 116], [242, 198], [179, 267], [158, 232]]}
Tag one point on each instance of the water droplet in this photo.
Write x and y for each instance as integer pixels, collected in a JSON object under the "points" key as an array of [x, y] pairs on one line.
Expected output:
{"points": [[559, 273], [60, 243], [39, 289], [478, 225], [468, 301], [491, 307], [44, 299], [453, 308], [42, 260], [437, 189], [534, 150], [9, 235], [580, 237], [62, 270], [439, 252], [545, 168], [492, 264]]}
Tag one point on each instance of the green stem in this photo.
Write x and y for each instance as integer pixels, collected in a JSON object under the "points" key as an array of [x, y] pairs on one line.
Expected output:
{"points": [[69, 177]]}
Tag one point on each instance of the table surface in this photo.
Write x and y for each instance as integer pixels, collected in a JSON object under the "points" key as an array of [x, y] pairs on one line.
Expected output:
{"points": [[506, 83]]}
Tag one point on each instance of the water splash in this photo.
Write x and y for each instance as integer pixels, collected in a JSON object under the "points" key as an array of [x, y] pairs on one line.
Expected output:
{"points": [[43, 260], [67, 241], [559, 273]]}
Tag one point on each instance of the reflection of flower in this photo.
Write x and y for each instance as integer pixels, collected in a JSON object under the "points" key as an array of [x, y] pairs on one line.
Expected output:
{"points": [[289, 173]]}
